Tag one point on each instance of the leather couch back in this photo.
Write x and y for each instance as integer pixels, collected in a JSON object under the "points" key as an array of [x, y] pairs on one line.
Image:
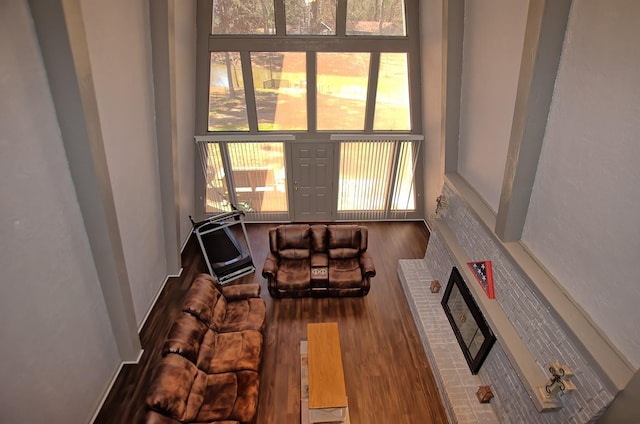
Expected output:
{"points": [[299, 241], [291, 241], [345, 241], [205, 301]]}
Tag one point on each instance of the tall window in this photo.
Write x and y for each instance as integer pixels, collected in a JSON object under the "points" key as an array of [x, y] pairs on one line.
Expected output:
{"points": [[308, 69], [309, 65]]}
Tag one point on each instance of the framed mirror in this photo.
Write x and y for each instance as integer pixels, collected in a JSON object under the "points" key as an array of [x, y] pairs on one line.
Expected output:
{"points": [[471, 330]]}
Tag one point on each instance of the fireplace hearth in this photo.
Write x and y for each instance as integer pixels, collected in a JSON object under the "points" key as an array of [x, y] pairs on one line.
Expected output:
{"points": [[457, 386]]}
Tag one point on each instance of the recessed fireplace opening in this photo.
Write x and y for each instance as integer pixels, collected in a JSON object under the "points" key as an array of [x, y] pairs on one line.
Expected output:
{"points": [[469, 326]]}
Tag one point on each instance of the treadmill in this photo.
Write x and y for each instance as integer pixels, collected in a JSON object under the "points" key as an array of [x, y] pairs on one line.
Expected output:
{"points": [[226, 258]]}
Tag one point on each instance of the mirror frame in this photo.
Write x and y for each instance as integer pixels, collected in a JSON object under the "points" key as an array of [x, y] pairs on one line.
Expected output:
{"points": [[474, 361]]}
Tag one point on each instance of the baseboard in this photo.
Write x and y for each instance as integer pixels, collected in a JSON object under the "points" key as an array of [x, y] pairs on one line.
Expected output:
{"points": [[164, 283], [186, 240], [111, 383], [155, 299]]}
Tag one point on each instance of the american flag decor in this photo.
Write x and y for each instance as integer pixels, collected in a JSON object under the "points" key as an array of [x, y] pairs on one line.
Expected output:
{"points": [[482, 272]]}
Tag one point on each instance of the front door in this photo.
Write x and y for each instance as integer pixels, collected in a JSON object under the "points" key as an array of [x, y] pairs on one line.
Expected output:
{"points": [[312, 176]]}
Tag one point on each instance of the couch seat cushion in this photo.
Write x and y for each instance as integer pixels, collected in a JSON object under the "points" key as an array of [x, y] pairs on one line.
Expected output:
{"points": [[240, 315], [226, 352], [345, 273], [230, 396], [294, 275]]}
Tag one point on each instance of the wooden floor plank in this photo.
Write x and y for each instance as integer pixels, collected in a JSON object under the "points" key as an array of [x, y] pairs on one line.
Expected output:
{"points": [[387, 375]]}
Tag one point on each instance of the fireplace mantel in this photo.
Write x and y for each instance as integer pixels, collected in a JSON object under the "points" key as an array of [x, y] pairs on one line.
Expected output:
{"points": [[531, 332], [612, 366], [529, 370]]}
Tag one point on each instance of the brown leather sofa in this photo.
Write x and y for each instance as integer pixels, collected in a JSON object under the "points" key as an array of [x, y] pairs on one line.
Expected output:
{"points": [[210, 367], [318, 260]]}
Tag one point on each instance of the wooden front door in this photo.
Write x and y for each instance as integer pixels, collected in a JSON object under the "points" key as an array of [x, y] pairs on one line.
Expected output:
{"points": [[312, 178]]}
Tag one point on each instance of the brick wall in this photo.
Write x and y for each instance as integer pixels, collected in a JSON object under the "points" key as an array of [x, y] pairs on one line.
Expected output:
{"points": [[544, 337], [456, 383]]}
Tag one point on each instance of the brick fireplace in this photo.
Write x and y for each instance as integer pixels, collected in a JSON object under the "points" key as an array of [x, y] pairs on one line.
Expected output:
{"points": [[544, 337]]}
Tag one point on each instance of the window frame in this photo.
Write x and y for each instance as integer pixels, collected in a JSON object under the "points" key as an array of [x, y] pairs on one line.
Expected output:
{"points": [[311, 44]]}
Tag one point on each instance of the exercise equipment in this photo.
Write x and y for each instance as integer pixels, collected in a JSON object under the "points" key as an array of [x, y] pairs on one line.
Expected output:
{"points": [[226, 258]]}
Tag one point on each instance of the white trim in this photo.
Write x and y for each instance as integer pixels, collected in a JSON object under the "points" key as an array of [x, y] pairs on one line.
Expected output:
{"points": [[155, 299], [114, 377], [243, 137], [186, 240], [374, 137]]}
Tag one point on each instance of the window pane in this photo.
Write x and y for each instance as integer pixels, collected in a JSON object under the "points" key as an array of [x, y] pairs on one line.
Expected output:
{"points": [[379, 17], [227, 104], [242, 17], [259, 176], [310, 17], [280, 84], [392, 98], [216, 185], [364, 175], [404, 192], [342, 90]]}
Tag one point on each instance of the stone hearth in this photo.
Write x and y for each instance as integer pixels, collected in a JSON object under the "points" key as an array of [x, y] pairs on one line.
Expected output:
{"points": [[456, 383]]}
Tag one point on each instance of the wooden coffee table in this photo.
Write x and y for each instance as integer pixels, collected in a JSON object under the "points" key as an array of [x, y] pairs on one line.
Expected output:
{"points": [[327, 393]]}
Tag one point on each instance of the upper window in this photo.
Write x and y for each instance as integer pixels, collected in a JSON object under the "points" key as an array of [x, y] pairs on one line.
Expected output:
{"points": [[372, 17], [309, 65], [310, 17], [242, 17]]}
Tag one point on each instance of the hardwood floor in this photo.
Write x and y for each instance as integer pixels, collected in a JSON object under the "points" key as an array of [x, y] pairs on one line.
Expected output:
{"points": [[387, 375]]}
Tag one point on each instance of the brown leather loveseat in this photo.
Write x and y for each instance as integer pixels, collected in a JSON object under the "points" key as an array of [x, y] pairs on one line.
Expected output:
{"points": [[209, 372], [318, 260]]}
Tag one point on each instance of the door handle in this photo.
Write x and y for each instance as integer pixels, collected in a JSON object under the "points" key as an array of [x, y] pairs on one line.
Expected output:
{"points": [[295, 185]]}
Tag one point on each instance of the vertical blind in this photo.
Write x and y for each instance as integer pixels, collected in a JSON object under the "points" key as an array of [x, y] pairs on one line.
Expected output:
{"points": [[376, 177]]}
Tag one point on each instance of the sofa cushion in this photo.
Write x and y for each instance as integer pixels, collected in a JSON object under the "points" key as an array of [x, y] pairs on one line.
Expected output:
{"points": [[248, 314], [343, 241], [231, 396], [202, 300], [319, 238], [185, 337], [226, 352], [241, 291], [345, 273], [293, 241], [205, 301], [294, 274], [178, 388]]}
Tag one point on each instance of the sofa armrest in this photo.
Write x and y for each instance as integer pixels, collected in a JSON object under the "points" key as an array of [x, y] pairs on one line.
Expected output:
{"points": [[185, 337], [366, 263], [241, 291], [270, 268]]}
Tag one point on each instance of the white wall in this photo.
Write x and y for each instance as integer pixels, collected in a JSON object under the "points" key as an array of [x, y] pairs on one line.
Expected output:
{"points": [[58, 348], [431, 27], [120, 50], [185, 44], [493, 40], [583, 217]]}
